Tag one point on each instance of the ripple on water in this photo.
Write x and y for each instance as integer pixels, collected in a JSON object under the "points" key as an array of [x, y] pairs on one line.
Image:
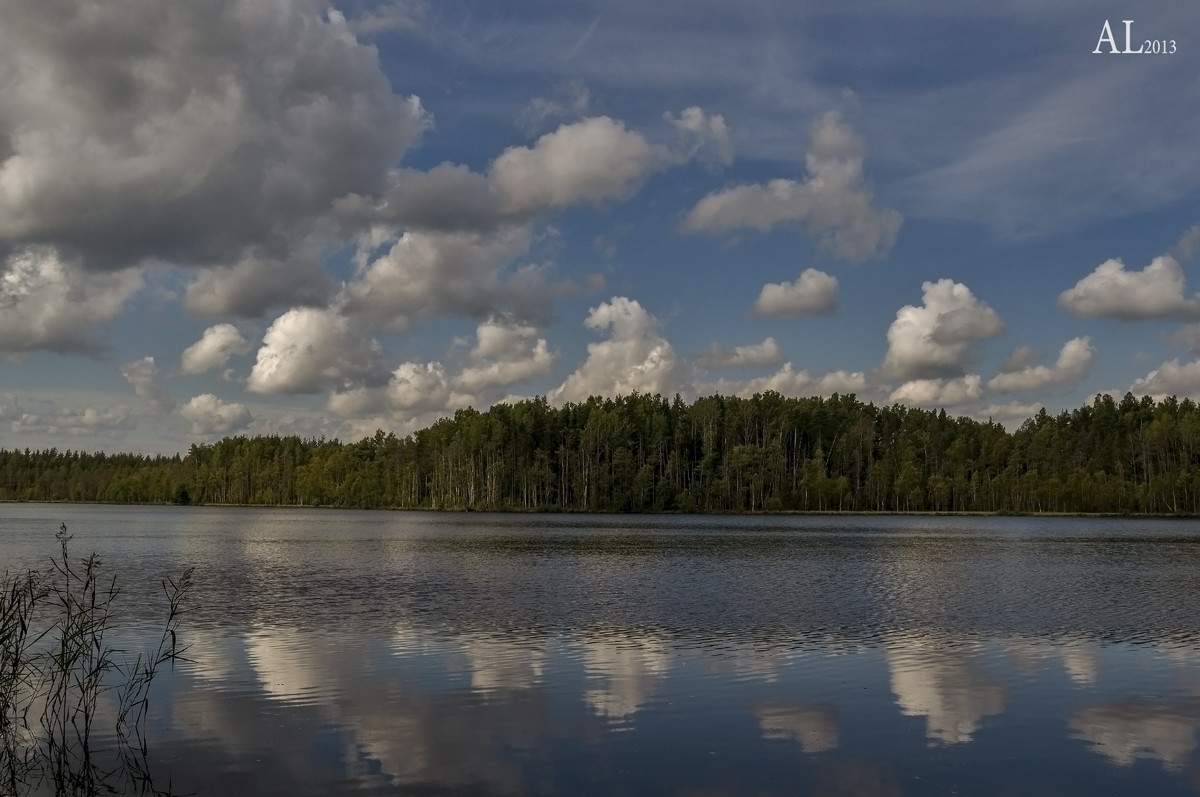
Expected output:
{"points": [[383, 653]]}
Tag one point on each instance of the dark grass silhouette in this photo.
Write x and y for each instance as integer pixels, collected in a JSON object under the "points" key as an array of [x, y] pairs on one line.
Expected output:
{"points": [[56, 665]]}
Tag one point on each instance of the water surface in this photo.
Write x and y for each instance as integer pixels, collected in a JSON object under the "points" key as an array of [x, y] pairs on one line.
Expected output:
{"points": [[338, 652]]}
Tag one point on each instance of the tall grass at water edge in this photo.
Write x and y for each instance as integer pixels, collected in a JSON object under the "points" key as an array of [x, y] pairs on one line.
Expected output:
{"points": [[58, 671]]}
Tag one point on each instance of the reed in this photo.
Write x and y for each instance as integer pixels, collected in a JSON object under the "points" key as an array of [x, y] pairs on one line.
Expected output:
{"points": [[56, 666]]}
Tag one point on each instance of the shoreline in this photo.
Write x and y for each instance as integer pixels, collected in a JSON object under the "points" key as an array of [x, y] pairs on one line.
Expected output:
{"points": [[559, 511]]}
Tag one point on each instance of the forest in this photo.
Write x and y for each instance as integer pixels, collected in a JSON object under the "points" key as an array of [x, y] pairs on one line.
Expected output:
{"points": [[643, 453]]}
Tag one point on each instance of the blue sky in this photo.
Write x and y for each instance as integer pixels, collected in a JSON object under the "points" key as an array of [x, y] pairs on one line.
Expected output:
{"points": [[269, 216]]}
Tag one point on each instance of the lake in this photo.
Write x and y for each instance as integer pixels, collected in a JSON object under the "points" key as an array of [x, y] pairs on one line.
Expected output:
{"points": [[341, 652]]}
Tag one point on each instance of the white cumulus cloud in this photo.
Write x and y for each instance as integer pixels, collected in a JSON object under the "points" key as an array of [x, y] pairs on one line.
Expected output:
{"points": [[1010, 415], [596, 160], [416, 387], [939, 392], [634, 358], [449, 273], [213, 350], [933, 340], [308, 348], [788, 381], [505, 354], [188, 133], [1157, 291], [413, 389], [1172, 378], [754, 354], [593, 160], [210, 415], [1073, 364], [834, 201], [812, 293], [50, 304], [113, 422]]}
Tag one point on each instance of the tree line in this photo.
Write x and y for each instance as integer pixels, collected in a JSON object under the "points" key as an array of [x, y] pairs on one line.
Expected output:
{"points": [[643, 453]]}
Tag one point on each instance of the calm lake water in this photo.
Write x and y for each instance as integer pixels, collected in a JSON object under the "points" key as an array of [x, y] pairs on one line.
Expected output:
{"points": [[337, 652]]}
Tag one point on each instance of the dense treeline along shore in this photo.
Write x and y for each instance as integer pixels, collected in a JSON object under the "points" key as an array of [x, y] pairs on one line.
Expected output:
{"points": [[645, 453]]}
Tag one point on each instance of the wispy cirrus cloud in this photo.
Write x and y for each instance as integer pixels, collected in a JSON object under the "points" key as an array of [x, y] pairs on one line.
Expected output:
{"points": [[142, 376]]}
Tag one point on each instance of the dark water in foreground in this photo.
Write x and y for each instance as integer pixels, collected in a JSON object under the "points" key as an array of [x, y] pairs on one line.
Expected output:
{"points": [[408, 653]]}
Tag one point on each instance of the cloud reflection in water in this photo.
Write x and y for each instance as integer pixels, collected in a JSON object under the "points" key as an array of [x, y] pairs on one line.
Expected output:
{"points": [[932, 676], [1127, 730]]}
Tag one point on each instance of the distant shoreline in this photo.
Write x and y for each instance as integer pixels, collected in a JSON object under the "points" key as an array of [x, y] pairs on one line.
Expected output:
{"points": [[640, 454], [516, 511]]}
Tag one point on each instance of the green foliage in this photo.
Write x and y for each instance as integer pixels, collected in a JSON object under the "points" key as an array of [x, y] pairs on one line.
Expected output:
{"points": [[643, 453]]}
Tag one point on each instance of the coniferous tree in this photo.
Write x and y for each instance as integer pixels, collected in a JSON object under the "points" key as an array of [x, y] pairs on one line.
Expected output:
{"points": [[642, 453]]}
